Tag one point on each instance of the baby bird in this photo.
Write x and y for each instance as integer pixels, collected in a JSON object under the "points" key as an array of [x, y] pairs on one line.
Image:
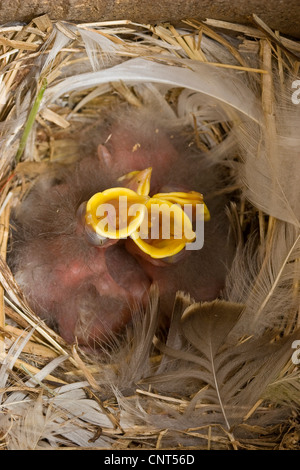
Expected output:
{"points": [[88, 286]]}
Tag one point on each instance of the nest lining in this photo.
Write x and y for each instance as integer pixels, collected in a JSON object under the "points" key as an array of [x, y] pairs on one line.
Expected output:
{"points": [[53, 394]]}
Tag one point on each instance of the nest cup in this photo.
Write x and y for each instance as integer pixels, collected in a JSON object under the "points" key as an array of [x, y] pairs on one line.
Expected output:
{"points": [[237, 90]]}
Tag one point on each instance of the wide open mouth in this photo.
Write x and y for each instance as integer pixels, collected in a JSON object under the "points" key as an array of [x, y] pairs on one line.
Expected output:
{"points": [[109, 212]]}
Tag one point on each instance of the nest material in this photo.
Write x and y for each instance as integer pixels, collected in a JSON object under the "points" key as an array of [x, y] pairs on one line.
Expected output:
{"points": [[54, 395]]}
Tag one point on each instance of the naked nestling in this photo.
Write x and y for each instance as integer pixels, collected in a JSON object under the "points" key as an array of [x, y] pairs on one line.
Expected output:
{"points": [[88, 290]]}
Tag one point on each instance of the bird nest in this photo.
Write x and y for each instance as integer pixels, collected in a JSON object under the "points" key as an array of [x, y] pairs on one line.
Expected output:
{"points": [[228, 381]]}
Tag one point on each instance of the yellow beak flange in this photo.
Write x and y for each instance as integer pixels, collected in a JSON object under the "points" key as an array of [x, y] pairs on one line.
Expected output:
{"points": [[158, 225], [116, 212], [138, 181], [165, 231], [182, 198]]}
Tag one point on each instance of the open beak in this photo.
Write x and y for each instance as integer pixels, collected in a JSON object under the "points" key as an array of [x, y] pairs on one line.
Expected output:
{"points": [[185, 198], [138, 181], [116, 212], [165, 231], [158, 225]]}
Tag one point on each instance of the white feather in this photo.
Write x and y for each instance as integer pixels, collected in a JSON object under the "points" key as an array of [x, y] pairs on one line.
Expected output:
{"points": [[225, 87], [60, 41], [100, 50], [270, 180]]}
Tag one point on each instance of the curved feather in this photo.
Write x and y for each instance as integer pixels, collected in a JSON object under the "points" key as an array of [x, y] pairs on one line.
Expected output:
{"points": [[224, 87], [233, 375]]}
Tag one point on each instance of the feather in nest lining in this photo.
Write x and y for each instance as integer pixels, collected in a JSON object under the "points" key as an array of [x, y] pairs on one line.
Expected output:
{"points": [[270, 161], [201, 78], [265, 280], [232, 375], [223, 88], [203, 344], [55, 417]]}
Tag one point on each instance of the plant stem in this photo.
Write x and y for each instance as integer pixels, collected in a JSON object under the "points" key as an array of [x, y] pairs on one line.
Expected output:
{"points": [[31, 119]]}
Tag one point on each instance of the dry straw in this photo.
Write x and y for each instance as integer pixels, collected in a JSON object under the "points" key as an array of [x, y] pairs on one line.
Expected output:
{"points": [[54, 395]]}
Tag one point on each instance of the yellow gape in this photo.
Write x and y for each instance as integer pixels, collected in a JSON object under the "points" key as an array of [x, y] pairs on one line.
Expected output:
{"points": [[165, 231], [158, 225], [182, 198], [116, 212]]}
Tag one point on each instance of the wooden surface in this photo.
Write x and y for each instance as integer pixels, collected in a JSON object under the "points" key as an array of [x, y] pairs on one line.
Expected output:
{"points": [[282, 15]]}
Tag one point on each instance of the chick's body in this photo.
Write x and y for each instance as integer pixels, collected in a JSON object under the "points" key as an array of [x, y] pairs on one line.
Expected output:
{"points": [[87, 291]]}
